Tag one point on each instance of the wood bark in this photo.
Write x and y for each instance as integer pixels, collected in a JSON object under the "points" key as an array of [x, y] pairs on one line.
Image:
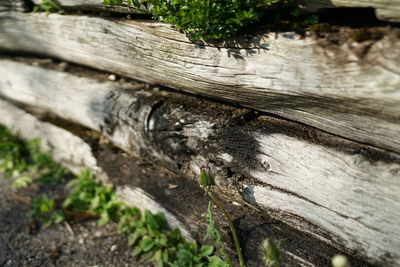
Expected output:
{"points": [[343, 193], [350, 90]]}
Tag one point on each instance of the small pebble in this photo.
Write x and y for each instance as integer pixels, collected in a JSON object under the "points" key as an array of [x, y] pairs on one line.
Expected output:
{"points": [[172, 186], [80, 241], [112, 77], [113, 248], [97, 234]]}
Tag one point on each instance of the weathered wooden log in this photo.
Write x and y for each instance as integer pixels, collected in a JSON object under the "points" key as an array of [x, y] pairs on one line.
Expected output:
{"points": [[349, 89], [74, 153], [344, 193], [65, 148], [135, 185]]}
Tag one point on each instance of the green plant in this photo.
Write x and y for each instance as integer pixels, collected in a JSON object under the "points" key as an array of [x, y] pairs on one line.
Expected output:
{"points": [[48, 6], [24, 161], [88, 194], [203, 19], [272, 256], [213, 232], [207, 182], [149, 233], [43, 208]]}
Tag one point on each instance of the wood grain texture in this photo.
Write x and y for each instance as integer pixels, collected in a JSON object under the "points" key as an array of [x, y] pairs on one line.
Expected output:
{"points": [[341, 192], [334, 89], [76, 155], [298, 249]]}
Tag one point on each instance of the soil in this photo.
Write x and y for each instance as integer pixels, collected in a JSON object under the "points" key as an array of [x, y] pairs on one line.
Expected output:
{"points": [[23, 242]]}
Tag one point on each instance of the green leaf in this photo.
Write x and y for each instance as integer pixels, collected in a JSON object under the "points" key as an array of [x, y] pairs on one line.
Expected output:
{"points": [[205, 251], [151, 223], [216, 261], [146, 244]]}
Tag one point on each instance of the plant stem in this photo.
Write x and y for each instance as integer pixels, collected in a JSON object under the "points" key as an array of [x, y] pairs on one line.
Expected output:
{"points": [[221, 208]]}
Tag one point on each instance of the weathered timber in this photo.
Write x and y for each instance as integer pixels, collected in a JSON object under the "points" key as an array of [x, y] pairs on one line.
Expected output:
{"points": [[351, 90], [74, 153], [65, 148], [135, 185], [341, 192], [384, 9]]}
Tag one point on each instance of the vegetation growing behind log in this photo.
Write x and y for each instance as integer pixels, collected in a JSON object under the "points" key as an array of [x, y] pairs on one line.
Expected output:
{"points": [[207, 19]]}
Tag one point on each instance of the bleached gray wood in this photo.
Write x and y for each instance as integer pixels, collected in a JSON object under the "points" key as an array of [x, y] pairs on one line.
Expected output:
{"points": [[332, 88], [76, 155], [21, 121], [65, 147], [328, 188]]}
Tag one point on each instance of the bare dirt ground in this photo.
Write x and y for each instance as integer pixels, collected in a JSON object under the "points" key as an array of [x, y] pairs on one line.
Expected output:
{"points": [[24, 243]]}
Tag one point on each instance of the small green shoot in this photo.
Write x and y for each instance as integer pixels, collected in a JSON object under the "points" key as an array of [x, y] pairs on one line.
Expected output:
{"points": [[48, 6], [206, 181], [272, 256], [24, 161], [43, 209], [213, 232]]}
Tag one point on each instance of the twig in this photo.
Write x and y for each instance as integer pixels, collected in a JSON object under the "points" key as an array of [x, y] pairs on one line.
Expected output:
{"points": [[20, 199], [69, 228]]}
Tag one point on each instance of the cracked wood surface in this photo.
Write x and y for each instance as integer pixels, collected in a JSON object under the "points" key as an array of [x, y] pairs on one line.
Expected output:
{"points": [[74, 153], [343, 193], [137, 189], [351, 90]]}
